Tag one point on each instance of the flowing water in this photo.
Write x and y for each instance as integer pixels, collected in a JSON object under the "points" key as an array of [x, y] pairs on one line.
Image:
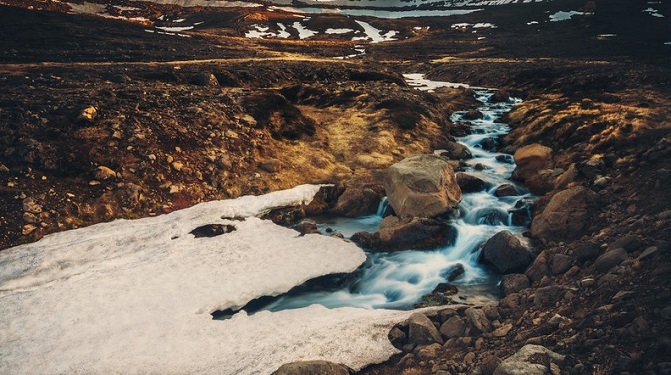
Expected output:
{"points": [[398, 280]]}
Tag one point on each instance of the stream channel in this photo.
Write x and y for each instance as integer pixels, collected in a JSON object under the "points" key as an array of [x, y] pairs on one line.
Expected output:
{"points": [[399, 280]]}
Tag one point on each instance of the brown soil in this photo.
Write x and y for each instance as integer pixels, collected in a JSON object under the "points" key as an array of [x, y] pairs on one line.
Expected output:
{"points": [[282, 113]]}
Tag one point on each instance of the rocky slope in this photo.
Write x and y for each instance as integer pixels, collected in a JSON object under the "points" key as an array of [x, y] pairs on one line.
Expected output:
{"points": [[101, 120]]}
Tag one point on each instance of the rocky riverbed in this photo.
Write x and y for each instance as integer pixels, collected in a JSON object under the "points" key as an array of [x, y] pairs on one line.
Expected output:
{"points": [[103, 119]]}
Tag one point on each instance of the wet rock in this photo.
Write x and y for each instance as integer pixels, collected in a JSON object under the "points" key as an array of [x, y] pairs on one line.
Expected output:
{"points": [[508, 159], [453, 273], [514, 283], [566, 216], [506, 253], [521, 214], [422, 186], [405, 234], [104, 173], [456, 151], [506, 190], [212, 230], [489, 144], [479, 319], [560, 263], [500, 96], [531, 160], [610, 259], [473, 114], [204, 79], [87, 114], [526, 361], [469, 183], [313, 368], [359, 201], [306, 228], [421, 330], [453, 327], [441, 295]]}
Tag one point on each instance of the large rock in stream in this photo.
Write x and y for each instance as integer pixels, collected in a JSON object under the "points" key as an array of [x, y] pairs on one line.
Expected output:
{"points": [[422, 186], [403, 234], [506, 253]]}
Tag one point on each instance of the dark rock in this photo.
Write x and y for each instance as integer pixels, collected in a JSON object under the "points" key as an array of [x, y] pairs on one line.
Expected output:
{"points": [[548, 296], [505, 158], [491, 311], [454, 272], [359, 201], [397, 337], [566, 216], [506, 190], [212, 230], [539, 268], [469, 183], [421, 330], [489, 144], [630, 243], [428, 352], [306, 228], [453, 327], [610, 259], [439, 296], [456, 151], [415, 233], [473, 114], [479, 319], [313, 368], [521, 214], [514, 283], [500, 96], [560, 263], [479, 167], [506, 253], [204, 79], [587, 251]]}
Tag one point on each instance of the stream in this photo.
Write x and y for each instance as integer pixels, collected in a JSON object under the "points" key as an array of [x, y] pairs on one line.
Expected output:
{"points": [[399, 280]]}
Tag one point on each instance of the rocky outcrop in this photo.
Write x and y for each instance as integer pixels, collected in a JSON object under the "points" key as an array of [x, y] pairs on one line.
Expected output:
{"points": [[313, 368], [532, 163], [566, 216], [422, 186], [402, 234], [506, 253]]}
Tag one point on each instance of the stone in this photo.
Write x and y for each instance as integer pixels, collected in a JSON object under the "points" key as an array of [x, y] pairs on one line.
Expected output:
{"points": [[271, 165], [313, 368], [539, 268], [359, 201], [104, 173], [500, 96], [473, 114], [560, 263], [479, 319], [28, 229], [630, 243], [456, 151], [177, 166], [506, 253], [525, 361], [566, 216], [3, 168], [469, 183], [88, 114], [453, 327], [454, 272], [610, 259], [569, 176], [503, 330], [421, 330], [204, 79], [422, 186], [415, 233], [531, 161], [506, 190], [513, 283], [649, 253], [547, 296], [441, 295], [428, 352], [397, 337], [587, 251], [489, 144], [31, 205], [491, 311]]}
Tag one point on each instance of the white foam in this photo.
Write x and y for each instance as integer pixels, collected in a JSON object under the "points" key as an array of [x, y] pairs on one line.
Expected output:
{"points": [[134, 296]]}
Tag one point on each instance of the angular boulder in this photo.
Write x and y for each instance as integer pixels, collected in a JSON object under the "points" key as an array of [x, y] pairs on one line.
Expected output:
{"points": [[469, 183], [421, 330], [422, 186], [532, 161], [456, 151], [514, 283], [359, 201], [405, 234], [313, 368], [506, 253], [566, 216], [530, 360]]}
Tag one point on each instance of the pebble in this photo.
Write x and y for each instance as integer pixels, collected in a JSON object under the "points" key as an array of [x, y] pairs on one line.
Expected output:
{"points": [[177, 166]]}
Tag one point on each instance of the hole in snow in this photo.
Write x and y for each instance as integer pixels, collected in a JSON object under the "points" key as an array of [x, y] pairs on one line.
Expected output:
{"points": [[212, 230]]}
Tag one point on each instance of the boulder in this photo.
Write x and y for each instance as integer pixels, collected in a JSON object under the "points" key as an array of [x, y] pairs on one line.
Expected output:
{"points": [[489, 144], [313, 368], [421, 330], [500, 96], [359, 201], [422, 186], [506, 253], [560, 263], [204, 79], [566, 216], [531, 160], [513, 283], [548, 296], [473, 114], [530, 360], [456, 151], [453, 327], [479, 319], [610, 259], [506, 190], [405, 234], [469, 183]]}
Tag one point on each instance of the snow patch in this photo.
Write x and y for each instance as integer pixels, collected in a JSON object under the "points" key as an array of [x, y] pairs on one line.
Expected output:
{"points": [[303, 32], [418, 81], [133, 296], [653, 12], [338, 31], [175, 28], [374, 35], [564, 16]]}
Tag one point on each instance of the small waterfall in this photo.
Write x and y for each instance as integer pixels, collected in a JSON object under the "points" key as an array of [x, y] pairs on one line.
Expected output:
{"points": [[382, 208]]}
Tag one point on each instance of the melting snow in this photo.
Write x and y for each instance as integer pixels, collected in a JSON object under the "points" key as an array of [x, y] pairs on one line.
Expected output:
{"points": [[338, 31], [532, 23], [564, 16], [134, 296], [653, 12], [174, 28], [418, 81], [303, 32], [375, 35]]}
